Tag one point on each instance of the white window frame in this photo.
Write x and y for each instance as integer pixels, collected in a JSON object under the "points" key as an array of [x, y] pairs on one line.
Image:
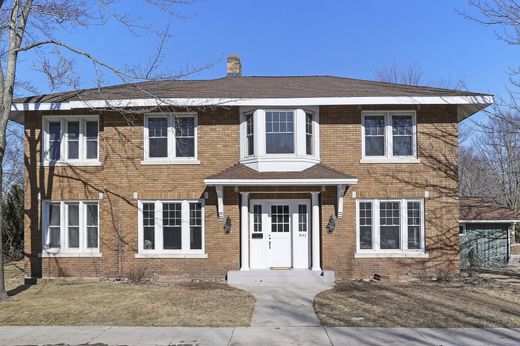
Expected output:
{"points": [[298, 160], [159, 252], [82, 145], [388, 157], [376, 251], [171, 158], [64, 250]]}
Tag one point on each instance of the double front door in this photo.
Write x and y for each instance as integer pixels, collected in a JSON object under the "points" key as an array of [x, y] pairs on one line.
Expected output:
{"points": [[279, 236]]}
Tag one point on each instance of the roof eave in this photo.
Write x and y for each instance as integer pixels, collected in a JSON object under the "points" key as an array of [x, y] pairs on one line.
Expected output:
{"points": [[279, 182]]}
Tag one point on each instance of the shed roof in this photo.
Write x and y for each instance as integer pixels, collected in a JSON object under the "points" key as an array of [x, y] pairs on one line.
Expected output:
{"points": [[483, 209]]}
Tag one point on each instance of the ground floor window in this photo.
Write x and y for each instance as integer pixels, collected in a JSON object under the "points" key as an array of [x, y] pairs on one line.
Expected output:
{"points": [[390, 226], [70, 227], [171, 227]]}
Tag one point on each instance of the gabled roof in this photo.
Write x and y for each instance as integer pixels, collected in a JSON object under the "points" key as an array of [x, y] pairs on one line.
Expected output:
{"points": [[485, 209], [318, 174]]}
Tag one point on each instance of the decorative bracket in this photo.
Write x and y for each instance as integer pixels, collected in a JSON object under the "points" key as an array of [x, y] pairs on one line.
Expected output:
{"points": [[341, 193], [220, 201]]}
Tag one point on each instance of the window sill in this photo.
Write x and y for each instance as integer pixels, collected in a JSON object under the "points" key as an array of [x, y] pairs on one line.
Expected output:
{"points": [[150, 162], [167, 255], [389, 160], [70, 163], [70, 255], [391, 255]]}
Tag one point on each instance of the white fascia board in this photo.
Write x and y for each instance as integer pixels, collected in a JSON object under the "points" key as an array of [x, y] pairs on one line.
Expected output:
{"points": [[279, 182], [489, 221], [272, 102]]}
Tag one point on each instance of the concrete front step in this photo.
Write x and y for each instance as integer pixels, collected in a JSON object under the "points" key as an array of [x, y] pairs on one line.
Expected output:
{"points": [[280, 276]]}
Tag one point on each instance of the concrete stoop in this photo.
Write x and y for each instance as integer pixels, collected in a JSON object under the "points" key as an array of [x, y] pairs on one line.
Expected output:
{"points": [[280, 276]]}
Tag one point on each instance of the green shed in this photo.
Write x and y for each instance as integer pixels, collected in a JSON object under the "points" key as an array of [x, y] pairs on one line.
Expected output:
{"points": [[485, 233]]}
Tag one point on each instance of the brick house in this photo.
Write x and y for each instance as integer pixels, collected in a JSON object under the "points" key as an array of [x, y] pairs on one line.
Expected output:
{"points": [[238, 176]]}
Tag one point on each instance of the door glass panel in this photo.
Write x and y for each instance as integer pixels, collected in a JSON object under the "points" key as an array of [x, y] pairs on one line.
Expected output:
{"points": [[257, 218], [279, 218], [302, 218]]}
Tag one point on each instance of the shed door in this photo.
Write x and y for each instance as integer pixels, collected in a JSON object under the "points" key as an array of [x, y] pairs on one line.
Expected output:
{"points": [[484, 246]]}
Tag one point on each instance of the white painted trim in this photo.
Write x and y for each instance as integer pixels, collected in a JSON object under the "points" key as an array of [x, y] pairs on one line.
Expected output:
{"points": [[82, 141], [341, 193], [64, 250], [69, 255], [158, 229], [176, 161], [315, 231], [244, 231], [280, 182], [388, 138], [488, 221], [272, 102], [403, 229], [220, 200], [166, 255], [171, 138], [392, 255], [389, 160], [296, 161]]}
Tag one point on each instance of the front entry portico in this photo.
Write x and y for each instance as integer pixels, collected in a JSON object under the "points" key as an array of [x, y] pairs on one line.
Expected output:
{"points": [[279, 234]]}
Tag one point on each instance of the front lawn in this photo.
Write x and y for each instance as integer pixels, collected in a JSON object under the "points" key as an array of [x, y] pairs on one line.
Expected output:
{"points": [[427, 305], [82, 302]]}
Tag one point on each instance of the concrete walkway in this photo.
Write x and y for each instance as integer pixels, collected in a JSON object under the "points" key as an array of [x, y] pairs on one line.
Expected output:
{"points": [[284, 305], [254, 336]]}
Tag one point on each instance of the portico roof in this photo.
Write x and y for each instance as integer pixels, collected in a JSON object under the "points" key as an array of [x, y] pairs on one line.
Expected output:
{"points": [[241, 175]]}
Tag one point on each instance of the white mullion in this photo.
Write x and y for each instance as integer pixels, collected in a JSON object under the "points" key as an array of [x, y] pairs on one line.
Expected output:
{"points": [[63, 226], [376, 233], [404, 225], [388, 132], [63, 140], [82, 145], [140, 229], [172, 148], [82, 220], [45, 223], [158, 227], [185, 226], [202, 224], [146, 140], [422, 213]]}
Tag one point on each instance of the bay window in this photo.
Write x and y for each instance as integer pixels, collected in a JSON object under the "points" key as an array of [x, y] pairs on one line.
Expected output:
{"points": [[390, 226], [70, 228], [71, 140], [171, 228], [389, 136], [170, 138], [284, 139]]}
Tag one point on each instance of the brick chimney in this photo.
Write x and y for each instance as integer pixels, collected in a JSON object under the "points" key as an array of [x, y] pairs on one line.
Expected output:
{"points": [[234, 67]]}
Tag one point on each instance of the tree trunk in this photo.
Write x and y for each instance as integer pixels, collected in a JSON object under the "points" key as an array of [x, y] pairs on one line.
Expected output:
{"points": [[3, 293]]}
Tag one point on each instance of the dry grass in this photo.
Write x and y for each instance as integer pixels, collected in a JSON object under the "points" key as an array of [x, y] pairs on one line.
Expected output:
{"points": [[82, 302], [434, 305]]}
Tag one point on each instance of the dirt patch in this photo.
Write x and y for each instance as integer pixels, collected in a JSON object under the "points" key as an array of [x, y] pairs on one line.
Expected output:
{"points": [[474, 303], [86, 302]]}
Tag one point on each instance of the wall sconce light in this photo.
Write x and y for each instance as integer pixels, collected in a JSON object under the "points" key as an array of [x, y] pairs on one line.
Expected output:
{"points": [[331, 225], [227, 225]]}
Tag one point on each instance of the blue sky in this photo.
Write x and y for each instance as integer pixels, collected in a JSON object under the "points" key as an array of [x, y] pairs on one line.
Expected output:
{"points": [[342, 38]]}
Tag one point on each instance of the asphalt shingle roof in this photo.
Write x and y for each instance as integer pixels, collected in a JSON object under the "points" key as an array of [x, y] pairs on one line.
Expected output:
{"points": [[484, 208], [248, 87]]}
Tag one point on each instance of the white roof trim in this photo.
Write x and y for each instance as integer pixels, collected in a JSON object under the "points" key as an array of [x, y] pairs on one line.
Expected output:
{"points": [[488, 221], [279, 182], [309, 101]]}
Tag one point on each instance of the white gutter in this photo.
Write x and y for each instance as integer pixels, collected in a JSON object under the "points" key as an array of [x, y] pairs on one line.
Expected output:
{"points": [[309, 101], [279, 182]]}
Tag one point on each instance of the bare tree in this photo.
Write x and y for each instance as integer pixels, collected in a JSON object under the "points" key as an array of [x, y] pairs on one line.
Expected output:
{"points": [[409, 75], [34, 25]]}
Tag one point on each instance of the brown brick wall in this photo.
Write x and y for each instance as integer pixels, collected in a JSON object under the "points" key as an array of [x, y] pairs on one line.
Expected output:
{"points": [[121, 174]]}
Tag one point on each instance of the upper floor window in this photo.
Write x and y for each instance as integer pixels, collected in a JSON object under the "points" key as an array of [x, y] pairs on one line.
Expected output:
{"points": [[70, 139], [250, 134], [279, 130], [170, 137], [71, 227], [389, 136], [279, 139], [308, 133]]}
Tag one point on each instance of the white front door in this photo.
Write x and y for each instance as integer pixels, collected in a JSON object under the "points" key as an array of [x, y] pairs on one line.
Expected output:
{"points": [[279, 234]]}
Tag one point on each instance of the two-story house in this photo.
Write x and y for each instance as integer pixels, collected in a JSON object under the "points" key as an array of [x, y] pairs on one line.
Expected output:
{"points": [[240, 176]]}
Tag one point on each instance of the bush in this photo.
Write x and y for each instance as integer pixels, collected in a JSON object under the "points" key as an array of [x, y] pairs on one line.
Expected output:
{"points": [[138, 274], [12, 224]]}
